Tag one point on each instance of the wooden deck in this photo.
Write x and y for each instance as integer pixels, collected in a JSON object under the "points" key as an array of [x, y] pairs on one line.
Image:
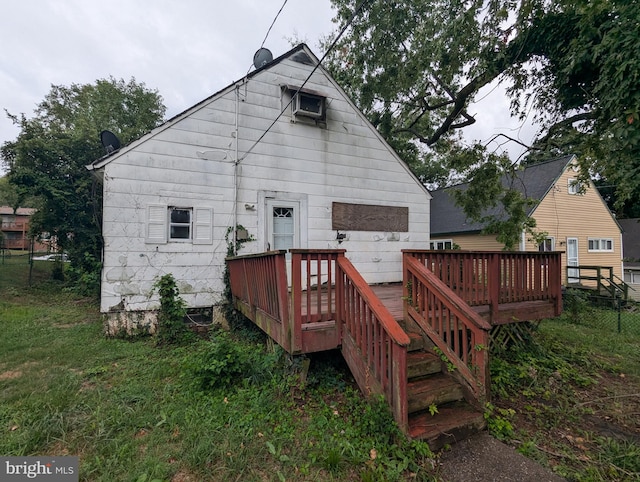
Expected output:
{"points": [[452, 299]]}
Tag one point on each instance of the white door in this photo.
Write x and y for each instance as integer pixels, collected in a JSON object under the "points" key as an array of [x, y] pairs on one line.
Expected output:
{"points": [[283, 224], [572, 260]]}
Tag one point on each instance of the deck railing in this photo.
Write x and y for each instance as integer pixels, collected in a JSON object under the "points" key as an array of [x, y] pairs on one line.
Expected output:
{"points": [[260, 288], [313, 292], [492, 278], [458, 331], [603, 279], [373, 343]]}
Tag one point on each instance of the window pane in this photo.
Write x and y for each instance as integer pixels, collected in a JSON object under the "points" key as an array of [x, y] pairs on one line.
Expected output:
{"points": [[180, 216], [283, 228], [180, 232]]}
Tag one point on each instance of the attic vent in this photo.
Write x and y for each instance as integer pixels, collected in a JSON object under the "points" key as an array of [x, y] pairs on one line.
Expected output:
{"points": [[308, 105]]}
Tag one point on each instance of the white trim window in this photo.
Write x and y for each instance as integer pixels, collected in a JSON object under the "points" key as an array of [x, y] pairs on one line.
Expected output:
{"points": [[549, 244], [632, 276], [441, 244], [574, 186], [600, 244], [178, 224]]}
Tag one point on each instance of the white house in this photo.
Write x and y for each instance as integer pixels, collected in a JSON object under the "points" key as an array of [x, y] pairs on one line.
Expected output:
{"points": [[303, 171]]}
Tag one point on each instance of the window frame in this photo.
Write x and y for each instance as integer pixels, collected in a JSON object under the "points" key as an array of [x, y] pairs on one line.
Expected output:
{"points": [[551, 239], [435, 242], [574, 186], [599, 248], [159, 224], [171, 224]]}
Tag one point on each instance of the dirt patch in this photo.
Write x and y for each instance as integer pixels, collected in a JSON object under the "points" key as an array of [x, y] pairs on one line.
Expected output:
{"points": [[10, 375]]}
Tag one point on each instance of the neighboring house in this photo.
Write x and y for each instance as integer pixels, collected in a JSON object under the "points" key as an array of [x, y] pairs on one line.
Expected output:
{"points": [[309, 172], [15, 228], [577, 221], [631, 243]]}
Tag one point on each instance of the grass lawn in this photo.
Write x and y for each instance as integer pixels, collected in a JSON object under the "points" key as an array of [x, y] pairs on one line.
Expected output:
{"points": [[228, 409], [233, 407]]}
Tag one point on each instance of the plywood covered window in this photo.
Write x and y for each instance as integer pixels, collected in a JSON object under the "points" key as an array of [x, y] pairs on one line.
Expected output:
{"points": [[368, 217]]}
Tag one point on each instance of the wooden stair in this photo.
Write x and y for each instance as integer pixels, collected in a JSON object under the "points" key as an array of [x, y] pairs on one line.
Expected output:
{"points": [[430, 385]]}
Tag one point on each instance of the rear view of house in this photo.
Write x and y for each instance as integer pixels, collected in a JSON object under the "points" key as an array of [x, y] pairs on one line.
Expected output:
{"points": [[279, 159]]}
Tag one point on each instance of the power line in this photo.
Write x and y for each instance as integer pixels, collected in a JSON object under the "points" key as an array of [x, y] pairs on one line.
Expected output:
{"points": [[270, 27], [331, 47], [273, 23]]}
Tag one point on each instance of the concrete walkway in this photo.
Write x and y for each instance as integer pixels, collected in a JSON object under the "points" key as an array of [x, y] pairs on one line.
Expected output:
{"points": [[482, 458]]}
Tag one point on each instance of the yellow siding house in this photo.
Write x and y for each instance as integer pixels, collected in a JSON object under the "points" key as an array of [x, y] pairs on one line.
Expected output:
{"points": [[575, 219]]}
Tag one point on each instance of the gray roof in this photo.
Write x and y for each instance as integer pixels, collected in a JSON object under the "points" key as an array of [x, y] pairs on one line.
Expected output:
{"points": [[533, 182], [630, 238]]}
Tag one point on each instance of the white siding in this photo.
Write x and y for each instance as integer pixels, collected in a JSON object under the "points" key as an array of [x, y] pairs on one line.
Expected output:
{"points": [[344, 160]]}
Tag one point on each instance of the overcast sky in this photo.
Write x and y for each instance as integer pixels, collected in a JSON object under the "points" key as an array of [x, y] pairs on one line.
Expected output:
{"points": [[187, 50]]}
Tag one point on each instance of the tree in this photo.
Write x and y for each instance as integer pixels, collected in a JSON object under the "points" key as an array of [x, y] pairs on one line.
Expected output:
{"points": [[415, 66], [47, 160]]}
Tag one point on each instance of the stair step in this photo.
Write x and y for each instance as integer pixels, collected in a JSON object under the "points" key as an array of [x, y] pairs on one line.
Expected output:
{"points": [[421, 364], [416, 342], [437, 389], [451, 424]]}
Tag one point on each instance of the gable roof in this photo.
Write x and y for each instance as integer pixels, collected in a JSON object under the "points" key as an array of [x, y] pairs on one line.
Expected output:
{"points": [[533, 182], [301, 54], [631, 238]]}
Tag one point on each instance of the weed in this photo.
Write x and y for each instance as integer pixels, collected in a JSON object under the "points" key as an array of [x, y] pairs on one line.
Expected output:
{"points": [[171, 328], [222, 362], [499, 421], [445, 359]]}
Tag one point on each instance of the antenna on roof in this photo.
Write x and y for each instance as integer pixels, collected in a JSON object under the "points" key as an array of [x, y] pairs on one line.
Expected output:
{"points": [[262, 57], [109, 141]]}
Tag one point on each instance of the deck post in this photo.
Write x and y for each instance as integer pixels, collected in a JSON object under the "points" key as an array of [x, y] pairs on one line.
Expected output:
{"points": [[283, 300], [340, 314], [295, 321], [494, 282]]}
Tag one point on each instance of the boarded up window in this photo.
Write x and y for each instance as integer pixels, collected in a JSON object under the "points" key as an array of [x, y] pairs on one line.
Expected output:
{"points": [[367, 217]]}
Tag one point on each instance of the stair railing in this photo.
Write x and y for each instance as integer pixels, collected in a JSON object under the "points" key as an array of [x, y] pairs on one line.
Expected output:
{"points": [[373, 343], [611, 284], [460, 334]]}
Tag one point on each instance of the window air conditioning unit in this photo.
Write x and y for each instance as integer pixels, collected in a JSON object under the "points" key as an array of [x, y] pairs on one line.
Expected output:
{"points": [[308, 105]]}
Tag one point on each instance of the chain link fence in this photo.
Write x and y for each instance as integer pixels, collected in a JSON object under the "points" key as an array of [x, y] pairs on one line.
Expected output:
{"points": [[587, 308]]}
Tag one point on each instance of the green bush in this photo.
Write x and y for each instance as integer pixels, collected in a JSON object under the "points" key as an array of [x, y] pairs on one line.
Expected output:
{"points": [[171, 327], [222, 362]]}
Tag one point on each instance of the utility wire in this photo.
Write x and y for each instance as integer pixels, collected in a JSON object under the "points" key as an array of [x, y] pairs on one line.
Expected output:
{"points": [[331, 47], [270, 27], [273, 23]]}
